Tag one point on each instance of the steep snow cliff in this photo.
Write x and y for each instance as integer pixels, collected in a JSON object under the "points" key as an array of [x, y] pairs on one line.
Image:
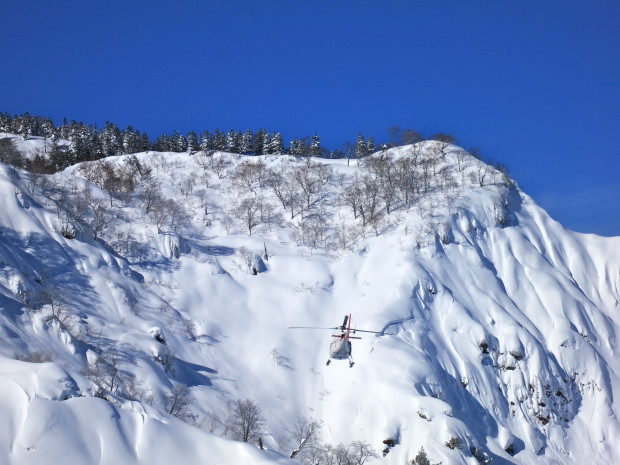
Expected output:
{"points": [[497, 325]]}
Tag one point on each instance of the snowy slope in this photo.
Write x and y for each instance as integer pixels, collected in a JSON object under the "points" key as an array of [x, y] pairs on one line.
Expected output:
{"points": [[498, 325]]}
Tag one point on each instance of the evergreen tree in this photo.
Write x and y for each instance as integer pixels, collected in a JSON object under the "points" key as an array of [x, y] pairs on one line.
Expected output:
{"points": [[64, 129], [59, 159], [421, 458], [219, 140], [47, 128], [371, 146], [246, 142], [96, 146], [231, 142], [277, 146], [266, 144], [192, 142], [5, 123], [180, 143], [361, 148], [174, 141], [257, 149], [79, 145], [131, 140], [36, 127], [25, 125], [162, 144], [303, 147], [294, 149], [112, 139], [315, 148], [145, 144], [207, 141]]}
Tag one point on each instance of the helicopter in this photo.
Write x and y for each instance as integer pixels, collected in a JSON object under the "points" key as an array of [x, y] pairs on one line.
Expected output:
{"points": [[340, 348]]}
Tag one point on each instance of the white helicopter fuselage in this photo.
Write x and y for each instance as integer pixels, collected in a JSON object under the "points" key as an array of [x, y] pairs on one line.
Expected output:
{"points": [[340, 349]]}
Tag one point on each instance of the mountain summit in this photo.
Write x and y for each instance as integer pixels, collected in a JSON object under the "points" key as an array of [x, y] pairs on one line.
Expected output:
{"points": [[146, 300]]}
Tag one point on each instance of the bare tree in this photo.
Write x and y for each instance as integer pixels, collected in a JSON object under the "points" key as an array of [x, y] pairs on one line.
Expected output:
{"points": [[461, 157], [101, 217], [111, 181], [405, 177], [384, 169], [150, 194], [179, 216], [276, 181], [186, 185], [351, 195], [360, 452], [77, 206], [427, 164], [136, 169], [212, 422], [177, 401], [304, 434], [443, 140], [249, 176], [245, 420], [58, 310], [167, 211], [394, 132], [314, 230], [411, 136], [248, 212], [369, 207], [105, 372], [356, 453], [205, 159], [311, 180], [219, 165], [482, 170]]}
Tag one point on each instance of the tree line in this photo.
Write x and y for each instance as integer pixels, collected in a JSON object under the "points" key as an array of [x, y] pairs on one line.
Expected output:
{"points": [[87, 142]]}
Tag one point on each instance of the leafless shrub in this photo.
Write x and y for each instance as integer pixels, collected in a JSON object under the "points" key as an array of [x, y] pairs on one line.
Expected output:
{"points": [[186, 185], [167, 212], [351, 196], [136, 169], [53, 301], [101, 218], [219, 165], [105, 372], [461, 158], [150, 193], [315, 230], [304, 435], [165, 357], [177, 402], [356, 452], [36, 356], [212, 423]]}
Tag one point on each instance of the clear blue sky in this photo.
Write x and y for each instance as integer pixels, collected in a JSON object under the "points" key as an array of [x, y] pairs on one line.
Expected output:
{"points": [[534, 84]]}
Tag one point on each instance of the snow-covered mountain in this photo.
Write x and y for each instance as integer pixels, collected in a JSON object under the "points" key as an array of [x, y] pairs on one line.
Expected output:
{"points": [[498, 326]]}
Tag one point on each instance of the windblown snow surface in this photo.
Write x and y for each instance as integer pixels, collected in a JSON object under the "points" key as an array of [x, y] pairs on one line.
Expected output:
{"points": [[498, 326]]}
